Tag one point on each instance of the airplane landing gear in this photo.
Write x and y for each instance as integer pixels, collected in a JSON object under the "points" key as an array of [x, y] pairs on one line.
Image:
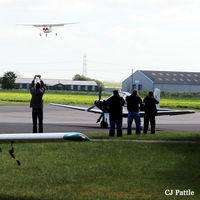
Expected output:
{"points": [[141, 125], [103, 123]]}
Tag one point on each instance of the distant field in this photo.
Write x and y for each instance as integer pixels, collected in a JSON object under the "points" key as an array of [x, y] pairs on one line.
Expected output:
{"points": [[23, 97], [99, 170], [182, 103], [112, 84], [63, 98]]}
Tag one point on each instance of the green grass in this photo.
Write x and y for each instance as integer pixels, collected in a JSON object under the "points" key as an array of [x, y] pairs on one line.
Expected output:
{"points": [[180, 103], [99, 170], [160, 135], [13, 103], [23, 97], [83, 99], [112, 84]]}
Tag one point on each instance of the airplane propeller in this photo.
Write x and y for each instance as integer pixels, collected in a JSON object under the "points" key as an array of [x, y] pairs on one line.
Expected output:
{"points": [[91, 107], [100, 90]]}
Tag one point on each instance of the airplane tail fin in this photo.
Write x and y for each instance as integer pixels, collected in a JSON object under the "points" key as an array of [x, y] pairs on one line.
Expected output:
{"points": [[157, 96]]}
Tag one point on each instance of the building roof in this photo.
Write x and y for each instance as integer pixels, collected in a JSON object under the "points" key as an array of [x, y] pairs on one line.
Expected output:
{"points": [[52, 82], [172, 77]]}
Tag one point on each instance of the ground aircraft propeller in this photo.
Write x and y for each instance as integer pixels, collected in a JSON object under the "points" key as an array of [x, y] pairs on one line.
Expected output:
{"points": [[100, 90], [104, 123]]}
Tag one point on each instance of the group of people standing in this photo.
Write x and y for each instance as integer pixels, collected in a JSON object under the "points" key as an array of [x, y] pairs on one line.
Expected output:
{"points": [[115, 103], [134, 105]]}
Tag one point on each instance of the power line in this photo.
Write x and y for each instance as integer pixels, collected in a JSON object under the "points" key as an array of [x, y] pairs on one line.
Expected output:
{"points": [[41, 63]]}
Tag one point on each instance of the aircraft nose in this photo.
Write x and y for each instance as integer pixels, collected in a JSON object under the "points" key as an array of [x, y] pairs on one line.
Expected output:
{"points": [[76, 137], [84, 138]]}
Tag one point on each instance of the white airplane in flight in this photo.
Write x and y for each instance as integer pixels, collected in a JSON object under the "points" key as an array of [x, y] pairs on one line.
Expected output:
{"points": [[103, 108], [39, 137], [47, 28]]}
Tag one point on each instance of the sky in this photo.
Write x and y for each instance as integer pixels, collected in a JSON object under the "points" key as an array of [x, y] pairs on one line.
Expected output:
{"points": [[117, 36]]}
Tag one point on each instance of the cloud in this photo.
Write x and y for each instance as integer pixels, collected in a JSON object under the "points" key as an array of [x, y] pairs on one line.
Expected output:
{"points": [[184, 13], [146, 4], [5, 2], [65, 6], [90, 5]]}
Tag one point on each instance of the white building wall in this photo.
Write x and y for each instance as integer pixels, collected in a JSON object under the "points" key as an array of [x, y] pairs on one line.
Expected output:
{"points": [[146, 83]]}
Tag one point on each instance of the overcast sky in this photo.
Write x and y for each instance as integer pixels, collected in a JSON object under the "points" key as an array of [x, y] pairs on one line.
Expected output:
{"points": [[116, 36]]}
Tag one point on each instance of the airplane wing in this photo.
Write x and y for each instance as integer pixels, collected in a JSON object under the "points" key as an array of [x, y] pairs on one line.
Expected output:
{"points": [[36, 25], [174, 112], [50, 25], [40, 25], [170, 112], [42, 137], [78, 108], [125, 112], [165, 112]]}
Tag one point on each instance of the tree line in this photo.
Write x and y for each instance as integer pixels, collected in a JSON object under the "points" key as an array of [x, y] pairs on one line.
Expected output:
{"points": [[8, 80], [79, 77]]}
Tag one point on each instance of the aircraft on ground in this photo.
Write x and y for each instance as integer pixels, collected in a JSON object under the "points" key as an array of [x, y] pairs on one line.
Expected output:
{"points": [[39, 137], [48, 28], [103, 108]]}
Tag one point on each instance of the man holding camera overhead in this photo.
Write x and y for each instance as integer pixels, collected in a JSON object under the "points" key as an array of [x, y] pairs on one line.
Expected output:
{"points": [[37, 89]]}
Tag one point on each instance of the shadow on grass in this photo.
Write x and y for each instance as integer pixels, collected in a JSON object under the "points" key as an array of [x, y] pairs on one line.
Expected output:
{"points": [[182, 170], [8, 197]]}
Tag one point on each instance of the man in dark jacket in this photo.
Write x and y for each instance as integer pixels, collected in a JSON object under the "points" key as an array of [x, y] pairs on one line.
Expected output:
{"points": [[115, 104], [150, 112], [133, 106], [37, 90]]}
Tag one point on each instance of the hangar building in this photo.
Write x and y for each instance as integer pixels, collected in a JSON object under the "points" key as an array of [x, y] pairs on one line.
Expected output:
{"points": [[53, 84], [168, 81]]}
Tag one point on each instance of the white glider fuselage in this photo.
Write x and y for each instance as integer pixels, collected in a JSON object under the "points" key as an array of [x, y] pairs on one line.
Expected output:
{"points": [[42, 137]]}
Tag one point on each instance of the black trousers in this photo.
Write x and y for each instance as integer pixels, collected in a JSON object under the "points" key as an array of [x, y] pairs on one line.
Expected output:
{"points": [[115, 121], [37, 113], [151, 119]]}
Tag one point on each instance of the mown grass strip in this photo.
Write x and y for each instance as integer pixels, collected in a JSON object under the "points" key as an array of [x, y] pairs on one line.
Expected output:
{"points": [[160, 135], [62, 98], [88, 99], [181, 103]]}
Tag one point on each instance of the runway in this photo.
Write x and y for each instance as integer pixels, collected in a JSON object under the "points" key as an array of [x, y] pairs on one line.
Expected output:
{"points": [[17, 119]]}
